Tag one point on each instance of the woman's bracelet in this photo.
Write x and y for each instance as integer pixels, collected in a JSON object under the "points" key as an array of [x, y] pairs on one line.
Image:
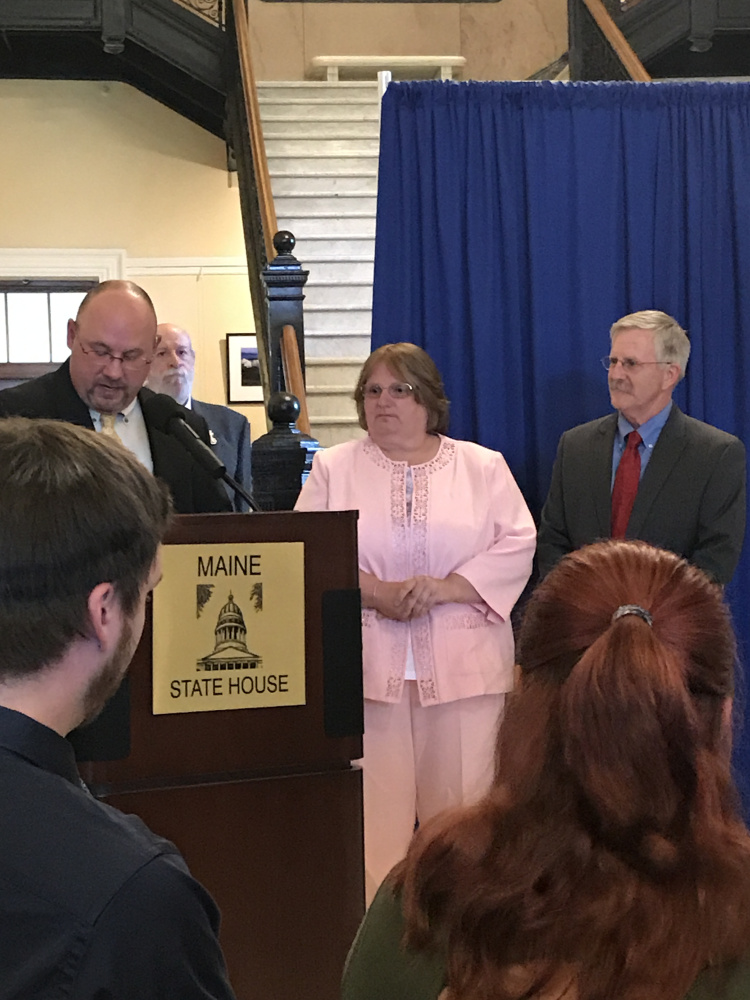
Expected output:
{"points": [[374, 591]]}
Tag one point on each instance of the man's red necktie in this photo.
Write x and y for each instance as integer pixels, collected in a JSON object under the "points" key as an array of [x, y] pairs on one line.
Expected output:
{"points": [[627, 478]]}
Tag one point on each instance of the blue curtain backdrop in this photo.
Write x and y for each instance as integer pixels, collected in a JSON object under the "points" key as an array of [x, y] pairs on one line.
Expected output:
{"points": [[517, 221]]}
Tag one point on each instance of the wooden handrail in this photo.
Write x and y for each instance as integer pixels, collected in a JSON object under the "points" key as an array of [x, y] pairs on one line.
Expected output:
{"points": [[293, 374], [262, 176], [618, 41]]}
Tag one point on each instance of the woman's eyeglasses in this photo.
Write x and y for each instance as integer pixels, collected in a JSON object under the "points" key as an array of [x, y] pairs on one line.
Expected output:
{"points": [[396, 390]]}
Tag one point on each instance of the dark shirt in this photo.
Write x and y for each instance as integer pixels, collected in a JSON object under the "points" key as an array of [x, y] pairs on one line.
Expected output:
{"points": [[93, 905]]}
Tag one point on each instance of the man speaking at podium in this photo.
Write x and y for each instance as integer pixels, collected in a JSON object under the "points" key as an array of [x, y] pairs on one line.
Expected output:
{"points": [[92, 903], [112, 342]]}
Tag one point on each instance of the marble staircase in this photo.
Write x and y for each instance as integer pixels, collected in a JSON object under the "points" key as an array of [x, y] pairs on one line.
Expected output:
{"points": [[322, 147]]}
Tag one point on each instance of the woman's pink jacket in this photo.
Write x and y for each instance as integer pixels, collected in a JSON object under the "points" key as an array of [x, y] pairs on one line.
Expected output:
{"points": [[468, 517]]}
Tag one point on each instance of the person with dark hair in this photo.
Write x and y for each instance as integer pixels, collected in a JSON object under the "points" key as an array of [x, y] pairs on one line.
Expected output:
{"points": [[92, 904], [609, 859], [445, 549], [647, 471]]}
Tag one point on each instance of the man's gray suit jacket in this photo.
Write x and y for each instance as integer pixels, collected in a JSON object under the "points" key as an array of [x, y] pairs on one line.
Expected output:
{"points": [[691, 498], [232, 433]]}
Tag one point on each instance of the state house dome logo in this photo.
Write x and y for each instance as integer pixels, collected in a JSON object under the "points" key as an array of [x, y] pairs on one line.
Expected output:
{"points": [[230, 648]]}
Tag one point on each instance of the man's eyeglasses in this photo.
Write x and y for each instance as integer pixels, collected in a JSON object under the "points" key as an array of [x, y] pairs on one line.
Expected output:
{"points": [[131, 361], [181, 353], [396, 390], [629, 364]]}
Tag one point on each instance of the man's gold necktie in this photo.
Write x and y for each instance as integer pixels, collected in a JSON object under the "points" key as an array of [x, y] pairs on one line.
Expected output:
{"points": [[108, 421]]}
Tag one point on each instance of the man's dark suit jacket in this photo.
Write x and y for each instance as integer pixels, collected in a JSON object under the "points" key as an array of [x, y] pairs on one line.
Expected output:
{"points": [[691, 498], [232, 433], [193, 491], [53, 397]]}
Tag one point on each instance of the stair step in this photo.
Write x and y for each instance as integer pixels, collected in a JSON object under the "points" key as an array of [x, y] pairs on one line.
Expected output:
{"points": [[335, 283], [322, 104], [334, 371], [320, 131], [338, 204], [329, 227], [335, 308], [358, 322], [338, 365], [324, 404], [336, 420], [321, 268], [321, 255], [333, 434], [316, 111], [331, 345], [334, 296], [330, 390], [353, 165], [323, 97], [359, 238], [365, 183], [311, 249], [318, 84], [328, 211], [322, 148], [345, 92]]}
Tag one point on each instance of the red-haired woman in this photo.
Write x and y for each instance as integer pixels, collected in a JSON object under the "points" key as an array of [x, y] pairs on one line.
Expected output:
{"points": [[609, 860]]}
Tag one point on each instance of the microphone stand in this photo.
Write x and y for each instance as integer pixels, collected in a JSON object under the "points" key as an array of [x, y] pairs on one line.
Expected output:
{"points": [[206, 457]]}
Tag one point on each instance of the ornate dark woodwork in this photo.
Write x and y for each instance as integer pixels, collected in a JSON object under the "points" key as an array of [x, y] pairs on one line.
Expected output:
{"points": [[671, 36], [284, 279], [283, 457], [212, 10], [165, 49]]}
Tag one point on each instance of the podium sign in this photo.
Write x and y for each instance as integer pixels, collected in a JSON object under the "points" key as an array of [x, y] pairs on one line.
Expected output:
{"points": [[229, 627]]}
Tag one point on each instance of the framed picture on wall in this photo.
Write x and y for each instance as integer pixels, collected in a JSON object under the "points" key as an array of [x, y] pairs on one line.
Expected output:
{"points": [[243, 369]]}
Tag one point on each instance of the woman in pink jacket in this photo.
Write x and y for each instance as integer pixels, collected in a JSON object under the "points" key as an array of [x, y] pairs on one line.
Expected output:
{"points": [[445, 549]]}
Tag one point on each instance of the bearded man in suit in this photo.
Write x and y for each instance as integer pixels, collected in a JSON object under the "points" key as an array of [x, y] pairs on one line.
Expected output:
{"points": [[688, 478], [172, 372], [112, 342]]}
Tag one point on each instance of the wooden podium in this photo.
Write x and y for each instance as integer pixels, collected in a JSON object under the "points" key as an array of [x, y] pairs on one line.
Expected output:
{"points": [[264, 803]]}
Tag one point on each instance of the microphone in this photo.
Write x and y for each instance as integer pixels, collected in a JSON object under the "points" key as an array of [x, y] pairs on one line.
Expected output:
{"points": [[168, 416]]}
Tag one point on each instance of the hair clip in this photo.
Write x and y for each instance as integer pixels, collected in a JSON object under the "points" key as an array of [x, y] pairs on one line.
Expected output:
{"points": [[633, 609]]}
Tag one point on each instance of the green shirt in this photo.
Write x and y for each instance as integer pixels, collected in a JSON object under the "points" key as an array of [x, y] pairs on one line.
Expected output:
{"points": [[380, 968]]}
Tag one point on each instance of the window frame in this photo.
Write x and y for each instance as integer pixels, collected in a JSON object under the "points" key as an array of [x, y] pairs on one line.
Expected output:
{"points": [[26, 265]]}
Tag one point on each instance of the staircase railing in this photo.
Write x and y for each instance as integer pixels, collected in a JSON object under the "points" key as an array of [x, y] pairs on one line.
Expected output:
{"points": [[250, 94], [258, 211], [598, 48], [293, 377], [246, 142]]}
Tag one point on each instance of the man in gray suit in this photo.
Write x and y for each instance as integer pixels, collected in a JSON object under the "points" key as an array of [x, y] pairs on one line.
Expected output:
{"points": [[172, 372], [689, 487]]}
